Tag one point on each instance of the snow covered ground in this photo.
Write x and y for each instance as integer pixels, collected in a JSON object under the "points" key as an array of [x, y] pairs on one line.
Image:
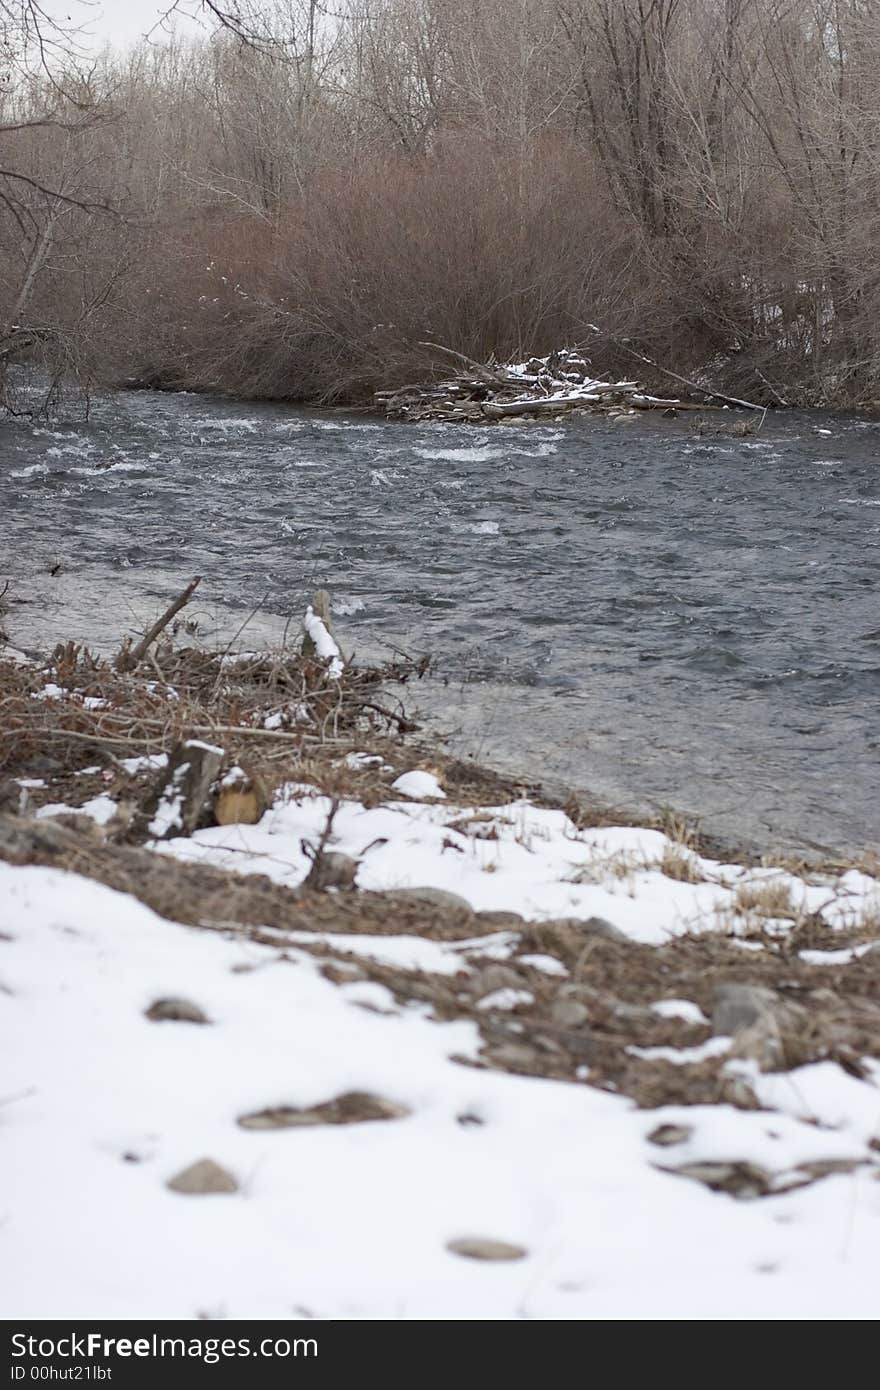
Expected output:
{"points": [[101, 1106]]}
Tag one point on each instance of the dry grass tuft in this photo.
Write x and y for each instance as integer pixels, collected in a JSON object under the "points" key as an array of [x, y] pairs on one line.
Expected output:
{"points": [[766, 900], [680, 864]]}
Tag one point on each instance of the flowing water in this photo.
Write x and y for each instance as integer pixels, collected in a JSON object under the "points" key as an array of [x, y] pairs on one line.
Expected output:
{"points": [[635, 610]]}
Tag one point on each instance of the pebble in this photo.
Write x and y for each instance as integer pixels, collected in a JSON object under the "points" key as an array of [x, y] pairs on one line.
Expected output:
{"points": [[482, 1248], [176, 1010], [203, 1178], [667, 1135], [354, 1107]]}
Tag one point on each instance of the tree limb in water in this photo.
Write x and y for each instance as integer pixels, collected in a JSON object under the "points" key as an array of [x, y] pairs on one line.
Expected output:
{"points": [[691, 385], [130, 657]]}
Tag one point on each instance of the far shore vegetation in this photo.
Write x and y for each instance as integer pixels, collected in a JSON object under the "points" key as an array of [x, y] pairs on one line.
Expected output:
{"points": [[288, 205]]}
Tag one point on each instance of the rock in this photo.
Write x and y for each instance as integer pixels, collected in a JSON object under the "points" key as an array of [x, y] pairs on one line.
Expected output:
{"points": [[81, 825], [483, 1248], [738, 1179], [176, 1010], [13, 798], [513, 1056], [773, 1040], [600, 926], [492, 918], [667, 1135], [765, 1028], [593, 926], [330, 869], [737, 1006], [202, 1179], [354, 1107], [598, 1001], [433, 897], [569, 1013], [735, 1089], [505, 999], [340, 972], [494, 977]]}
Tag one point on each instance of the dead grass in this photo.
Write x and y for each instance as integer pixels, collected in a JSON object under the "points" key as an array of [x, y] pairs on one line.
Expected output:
{"points": [[677, 828], [680, 864], [97, 710], [765, 900]]}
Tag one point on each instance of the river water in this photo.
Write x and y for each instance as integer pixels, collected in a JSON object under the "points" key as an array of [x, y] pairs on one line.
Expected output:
{"points": [[637, 611]]}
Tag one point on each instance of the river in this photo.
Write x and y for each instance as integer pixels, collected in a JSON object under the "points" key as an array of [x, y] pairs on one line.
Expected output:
{"points": [[636, 611]]}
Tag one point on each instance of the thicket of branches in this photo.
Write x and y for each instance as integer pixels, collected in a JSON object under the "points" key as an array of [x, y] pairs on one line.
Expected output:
{"points": [[288, 205]]}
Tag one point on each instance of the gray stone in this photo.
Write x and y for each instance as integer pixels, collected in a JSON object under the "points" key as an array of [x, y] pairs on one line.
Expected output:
{"points": [[202, 1179], [484, 1248], [177, 1011], [598, 1000], [495, 976], [569, 1013], [600, 926], [492, 918], [738, 1006], [739, 1178], [772, 1040], [432, 897], [594, 926], [354, 1107], [667, 1135], [13, 798], [330, 869], [516, 1056]]}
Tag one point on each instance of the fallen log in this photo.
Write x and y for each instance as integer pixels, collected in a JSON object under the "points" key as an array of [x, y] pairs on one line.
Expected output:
{"points": [[543, 405], [691, 385], [318, 641]]}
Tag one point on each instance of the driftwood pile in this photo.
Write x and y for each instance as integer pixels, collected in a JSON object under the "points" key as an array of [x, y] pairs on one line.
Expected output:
{"points": [[554, 387], [557, 385]]}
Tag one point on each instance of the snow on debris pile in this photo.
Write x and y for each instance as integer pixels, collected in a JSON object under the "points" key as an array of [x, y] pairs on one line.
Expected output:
{"points": [[478, 392], [321, 1147]]}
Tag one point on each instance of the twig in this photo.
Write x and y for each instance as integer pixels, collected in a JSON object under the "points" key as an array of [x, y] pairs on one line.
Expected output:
{"points": [[253, 613], [406, 726], [129, 658]]}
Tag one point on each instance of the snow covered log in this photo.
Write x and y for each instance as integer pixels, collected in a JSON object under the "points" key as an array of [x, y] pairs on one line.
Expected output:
{"points": [[318, 641]]}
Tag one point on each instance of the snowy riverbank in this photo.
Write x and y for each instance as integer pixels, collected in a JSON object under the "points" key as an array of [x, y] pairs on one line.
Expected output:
{"points": [[557, 1186]]}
